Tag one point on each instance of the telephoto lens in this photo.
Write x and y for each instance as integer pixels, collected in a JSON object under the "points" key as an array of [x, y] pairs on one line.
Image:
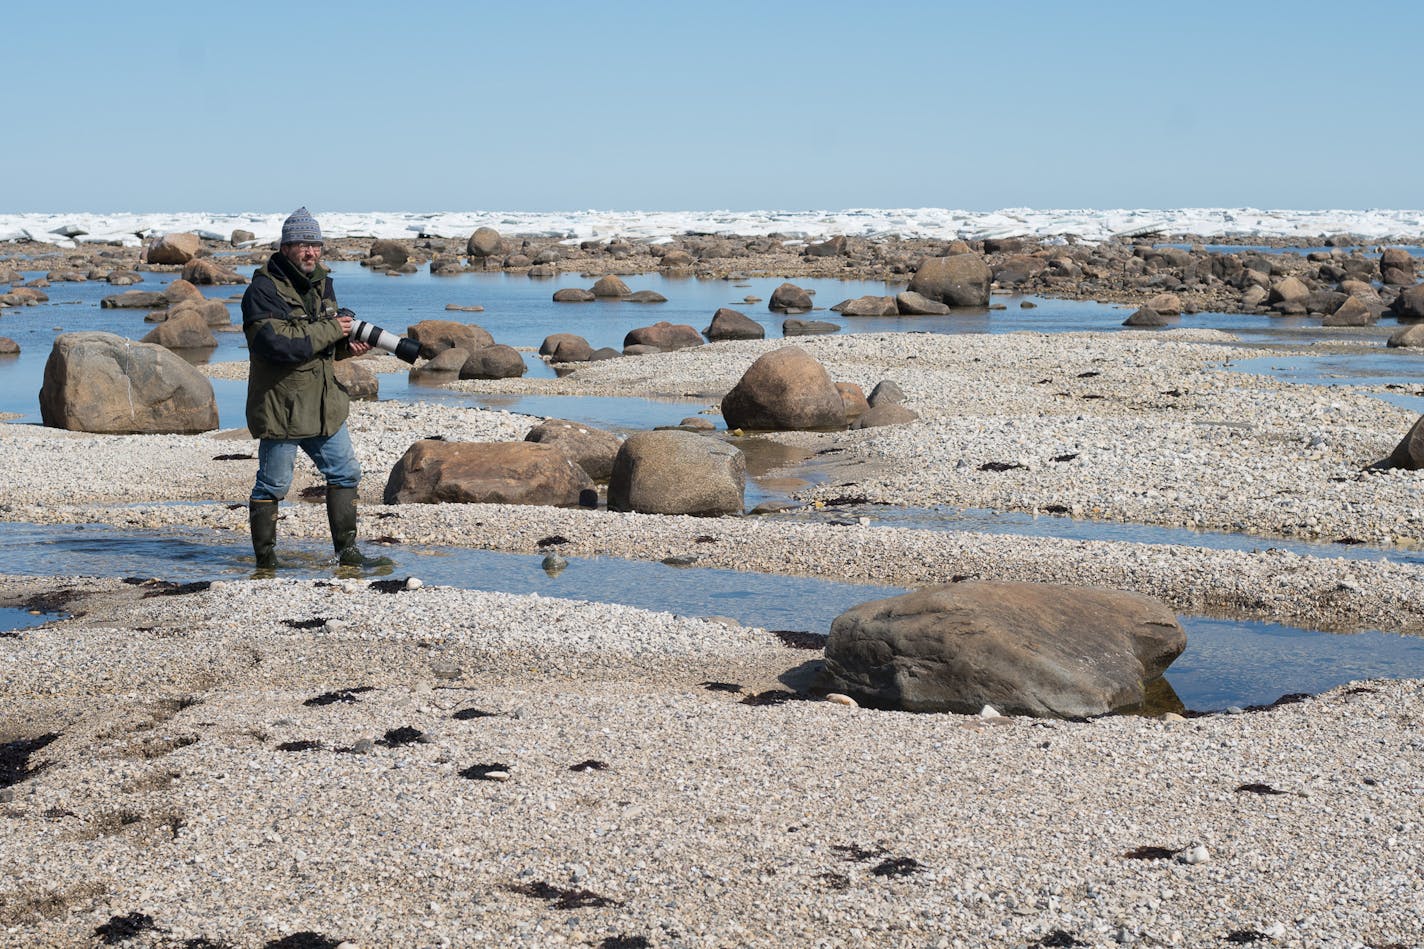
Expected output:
{"points": [[363, 332]]}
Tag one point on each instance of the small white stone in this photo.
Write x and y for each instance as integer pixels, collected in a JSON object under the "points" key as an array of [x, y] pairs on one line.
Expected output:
{"points": [[840, 699], [414, 583], [1194, 855], [988, 711], [496, 775]]}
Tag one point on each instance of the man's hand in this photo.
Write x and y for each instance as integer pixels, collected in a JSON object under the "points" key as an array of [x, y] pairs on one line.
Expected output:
{"points": [[357, 349]]}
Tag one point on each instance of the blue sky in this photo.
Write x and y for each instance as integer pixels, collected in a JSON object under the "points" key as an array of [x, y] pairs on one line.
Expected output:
{"points": [[727, 104]]}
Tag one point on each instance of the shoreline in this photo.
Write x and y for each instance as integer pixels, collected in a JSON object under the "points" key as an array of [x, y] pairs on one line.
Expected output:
{"points": [[238, 762]]}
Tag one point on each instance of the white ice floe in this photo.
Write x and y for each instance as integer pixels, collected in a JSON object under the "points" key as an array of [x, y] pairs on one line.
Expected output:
{"points": [[1086, 224]]}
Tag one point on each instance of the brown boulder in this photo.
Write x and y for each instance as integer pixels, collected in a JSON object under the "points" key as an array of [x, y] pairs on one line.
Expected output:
{"points": [[1352, 312], [794, 327], [1409, 305], [785, 389], [610, 286], [203, 270], [852, 400], [663, 335], [573, 295], [961, 280], [8, 347], [435, 472], [174, 249], [212, 312], [733, 324], [436, 336], [99, 382], [676, 472], [484, 242], [1023, 648], [1146, 316], [358, 380], [187, 330], [393, 253], [592, 449], [789, 298], [1411, 336]]}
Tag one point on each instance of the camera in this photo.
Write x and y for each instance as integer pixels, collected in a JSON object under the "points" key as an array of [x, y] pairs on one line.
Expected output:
{"points": [[363, 332]]}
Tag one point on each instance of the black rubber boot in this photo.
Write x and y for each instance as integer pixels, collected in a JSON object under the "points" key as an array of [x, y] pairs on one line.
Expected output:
{"points": [[262, 520], [341, 516]]}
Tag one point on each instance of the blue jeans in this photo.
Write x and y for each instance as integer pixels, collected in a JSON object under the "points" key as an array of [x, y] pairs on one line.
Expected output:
{"points": [[332, 454]]}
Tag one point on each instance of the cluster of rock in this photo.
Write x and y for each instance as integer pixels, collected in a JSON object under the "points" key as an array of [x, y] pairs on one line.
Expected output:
{"points": [[454, 350], [608, 287]]}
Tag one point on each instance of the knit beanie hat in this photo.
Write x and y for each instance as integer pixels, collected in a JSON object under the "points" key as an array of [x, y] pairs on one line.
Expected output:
{"points": [[301, 228]]}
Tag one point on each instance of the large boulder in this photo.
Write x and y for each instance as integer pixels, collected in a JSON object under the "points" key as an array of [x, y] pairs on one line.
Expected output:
{"points": [[1023, 648], [574, 295], [785, 389], [434, 472], [392, 253], [664, 336], [1015, 270], [795, 327], [186, 331], [677, 472], [484, 242], [436, 336], [789, 298], [99, 382], [1352, 312], [910, 303], [134, 300], [1409, 453], [610, 286], [1288, 290], [1409, 305], [868, 306], [212, 312], [733, 324], [493, 362], [1146, 316], [1396, 267], [204, 270], [178, 248], [960, 280], [1411, 336], [357, 379], [565, 347], [592, 449]]}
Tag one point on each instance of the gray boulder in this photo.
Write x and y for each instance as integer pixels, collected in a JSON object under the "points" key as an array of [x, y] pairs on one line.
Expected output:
{"points": [[785, 389], [436, 472], [573, 295], [1409, 305], [886, 390], [1024, 648], [392, 253], [960, 280], [1352, 312], [885, 413], [592, 449], [794, 327], [1411, 336], [868, 306], [99, 382], [677, 472]]}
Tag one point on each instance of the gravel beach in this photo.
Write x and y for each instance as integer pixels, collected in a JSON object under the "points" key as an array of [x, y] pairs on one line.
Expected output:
{"points": [[254, 760]]}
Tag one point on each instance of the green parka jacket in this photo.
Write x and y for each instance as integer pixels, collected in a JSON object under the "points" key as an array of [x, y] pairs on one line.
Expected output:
{"points": [[293, 342]]}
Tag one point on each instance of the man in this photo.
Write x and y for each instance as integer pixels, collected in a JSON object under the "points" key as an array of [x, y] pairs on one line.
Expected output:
{"points": [[295, 334]]}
